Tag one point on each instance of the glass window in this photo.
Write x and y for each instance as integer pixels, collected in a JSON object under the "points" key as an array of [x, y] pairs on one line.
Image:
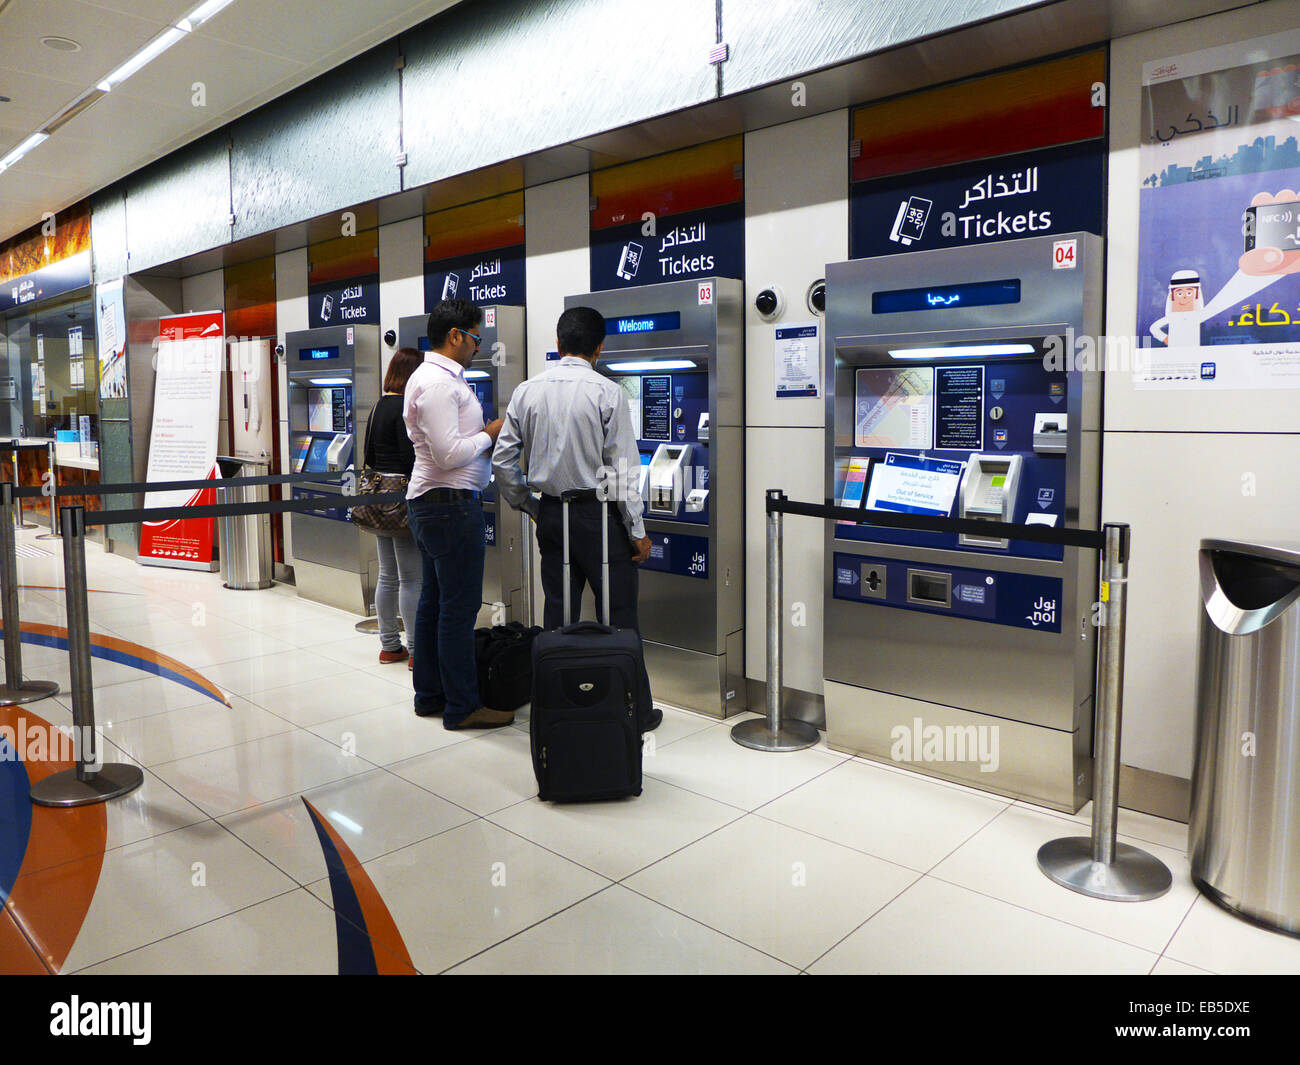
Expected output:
{"points": [[51, 375]]}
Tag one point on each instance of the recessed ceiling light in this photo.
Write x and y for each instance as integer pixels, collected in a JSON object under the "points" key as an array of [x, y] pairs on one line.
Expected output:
{"points": [[61, 44], [4, 100]]}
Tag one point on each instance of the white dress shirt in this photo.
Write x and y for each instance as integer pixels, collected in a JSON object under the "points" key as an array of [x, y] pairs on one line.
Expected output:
{"points": [[569, 428], [444, 420]]}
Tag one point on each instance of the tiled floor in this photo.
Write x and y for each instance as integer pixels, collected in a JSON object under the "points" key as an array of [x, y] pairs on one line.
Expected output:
{"points": [[731, 861]]}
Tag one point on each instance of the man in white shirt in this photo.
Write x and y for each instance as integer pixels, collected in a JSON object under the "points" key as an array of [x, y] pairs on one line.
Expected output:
{"points": [[570, 429], [444, 420]]}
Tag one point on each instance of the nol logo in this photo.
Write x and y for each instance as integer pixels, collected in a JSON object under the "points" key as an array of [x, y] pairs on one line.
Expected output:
{"points": [[1207, 371], [1044, 612]]}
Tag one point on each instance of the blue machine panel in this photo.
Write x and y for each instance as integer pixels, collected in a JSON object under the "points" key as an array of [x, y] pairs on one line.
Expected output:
{"points": [[671, 405], [687, 556], [1019, 600], [989, 409]]}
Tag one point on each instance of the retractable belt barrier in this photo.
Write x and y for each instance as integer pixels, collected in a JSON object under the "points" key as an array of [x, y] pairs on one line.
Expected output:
{"points": [[1097, 865], [93, 781]]}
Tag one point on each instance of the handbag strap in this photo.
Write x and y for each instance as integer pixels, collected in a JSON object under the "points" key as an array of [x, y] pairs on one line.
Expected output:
{"points": [[368, 457]]}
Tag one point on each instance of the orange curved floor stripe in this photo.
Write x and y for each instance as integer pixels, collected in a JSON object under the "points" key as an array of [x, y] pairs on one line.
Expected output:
{"points": [[61, 867], [391, 957]]}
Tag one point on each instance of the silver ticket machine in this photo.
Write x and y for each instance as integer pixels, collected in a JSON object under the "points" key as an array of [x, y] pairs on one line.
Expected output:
{"points": [[333, 375], [493, 375], [678, 349], [957, 386]]}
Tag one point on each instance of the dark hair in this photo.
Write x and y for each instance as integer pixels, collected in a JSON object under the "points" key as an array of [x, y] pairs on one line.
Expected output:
{"points": [[580, 331], [400, 368], [449, 315]]}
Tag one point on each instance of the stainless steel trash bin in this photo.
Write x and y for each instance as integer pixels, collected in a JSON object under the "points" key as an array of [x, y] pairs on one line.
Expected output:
{"points": [[1245, 817], [244, 540]]}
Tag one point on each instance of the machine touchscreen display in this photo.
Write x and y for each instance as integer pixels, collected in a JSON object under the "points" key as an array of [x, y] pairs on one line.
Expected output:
{"points": [[316, 455], [894, 407]]}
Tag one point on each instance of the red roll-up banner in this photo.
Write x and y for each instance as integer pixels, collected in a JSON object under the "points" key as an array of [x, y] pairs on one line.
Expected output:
{"points": [[183, 441]]}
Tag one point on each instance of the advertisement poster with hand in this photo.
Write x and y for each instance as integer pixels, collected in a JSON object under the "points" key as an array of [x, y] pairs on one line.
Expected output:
{"points": [[1219, 223]]}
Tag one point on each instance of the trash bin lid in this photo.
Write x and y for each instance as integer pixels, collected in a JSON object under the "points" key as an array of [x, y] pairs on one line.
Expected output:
{"points": [[1287, 552]]}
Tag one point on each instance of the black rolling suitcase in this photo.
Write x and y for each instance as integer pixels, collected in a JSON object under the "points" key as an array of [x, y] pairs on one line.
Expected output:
{"points": [[584, 725]]}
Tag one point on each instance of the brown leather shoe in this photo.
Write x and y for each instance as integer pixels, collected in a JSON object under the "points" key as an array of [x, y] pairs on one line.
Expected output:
{"points": [[484, 718], [392, 656]]}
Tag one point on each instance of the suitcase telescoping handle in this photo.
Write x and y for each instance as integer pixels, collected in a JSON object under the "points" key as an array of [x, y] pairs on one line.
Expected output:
{"points": [[604, 560]]}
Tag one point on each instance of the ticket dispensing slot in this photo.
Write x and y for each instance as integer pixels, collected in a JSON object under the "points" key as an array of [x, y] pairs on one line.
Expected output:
{"points": [[988, 493], [926, 588], [340, 452], [667, 477], [1050, 434]]}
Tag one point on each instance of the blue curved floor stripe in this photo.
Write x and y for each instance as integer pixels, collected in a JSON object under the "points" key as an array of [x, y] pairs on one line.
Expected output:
{"points": [[110, 654], [15, 816]]}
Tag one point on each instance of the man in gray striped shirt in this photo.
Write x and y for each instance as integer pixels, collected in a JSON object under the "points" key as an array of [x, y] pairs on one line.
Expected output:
{"points": [[570, 430]]}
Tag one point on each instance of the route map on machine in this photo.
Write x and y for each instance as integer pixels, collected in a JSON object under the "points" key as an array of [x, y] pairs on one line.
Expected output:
{"points": [[894, 408]]}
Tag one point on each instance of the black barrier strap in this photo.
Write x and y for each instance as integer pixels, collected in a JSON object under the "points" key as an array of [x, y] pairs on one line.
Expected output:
{"points": [[1040, 534], [129, 488], [226, 510]]}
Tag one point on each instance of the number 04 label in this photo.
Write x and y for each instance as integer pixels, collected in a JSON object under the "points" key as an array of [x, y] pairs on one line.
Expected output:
{"points": [[1065, 254]]}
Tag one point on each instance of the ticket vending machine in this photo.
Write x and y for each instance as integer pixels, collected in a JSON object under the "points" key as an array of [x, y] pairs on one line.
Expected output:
{"points": [[493, 375], [954, 389], [333, 375], [677, 350]]}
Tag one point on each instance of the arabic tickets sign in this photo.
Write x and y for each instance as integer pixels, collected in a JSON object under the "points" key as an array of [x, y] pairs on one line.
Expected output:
{"points": [[489, 277], [351, 302], [53, 280], [1049, 190], [675, 217], [708, 243], [1219, 218]]}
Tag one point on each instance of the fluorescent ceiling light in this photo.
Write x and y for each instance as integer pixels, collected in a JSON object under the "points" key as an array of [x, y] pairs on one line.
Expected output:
{"points": [[202, 13], [648, 365], [964, 351], [476, 375], [147, 54], [331, 380], [22, 149]]}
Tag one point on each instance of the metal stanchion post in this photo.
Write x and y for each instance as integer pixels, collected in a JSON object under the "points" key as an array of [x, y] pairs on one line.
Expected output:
{"points": [[52, 466], [1099, 865], [16, 689], [367, 624], [91, 781], [19, 521], [771, 733]]}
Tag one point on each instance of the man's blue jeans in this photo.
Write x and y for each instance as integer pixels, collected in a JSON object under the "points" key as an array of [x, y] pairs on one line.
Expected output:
{"points": [[450, 536]]}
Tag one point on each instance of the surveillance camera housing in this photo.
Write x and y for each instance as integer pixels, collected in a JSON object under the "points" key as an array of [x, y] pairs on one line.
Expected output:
{"points": [[769, 301], [279, 351], [390, 337], [817, 296]]}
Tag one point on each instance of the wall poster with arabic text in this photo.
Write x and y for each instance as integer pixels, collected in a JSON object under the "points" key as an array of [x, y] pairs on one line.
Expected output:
{"points": [[1219, 221]]}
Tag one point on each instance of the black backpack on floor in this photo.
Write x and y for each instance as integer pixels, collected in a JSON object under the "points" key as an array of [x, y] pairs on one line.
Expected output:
{"points": [[505, 664]]}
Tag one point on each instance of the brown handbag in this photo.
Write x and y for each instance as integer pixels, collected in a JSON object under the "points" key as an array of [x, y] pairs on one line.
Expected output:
{"points": [[381, 519]]}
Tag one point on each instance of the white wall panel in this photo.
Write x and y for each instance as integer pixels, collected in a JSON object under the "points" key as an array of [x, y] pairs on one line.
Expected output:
{"points": [[1179, 466], [1176, 489], [557, 239], [290, 316], [401, 278], [796, 221]]}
